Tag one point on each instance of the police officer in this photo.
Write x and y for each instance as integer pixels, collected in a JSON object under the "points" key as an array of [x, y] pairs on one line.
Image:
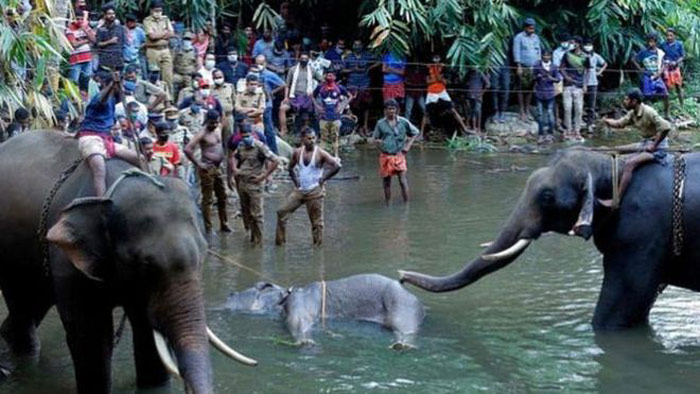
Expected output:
{"points": [[185, 64], [192, 117], [225, 93], [180, 135], [159, 30]]}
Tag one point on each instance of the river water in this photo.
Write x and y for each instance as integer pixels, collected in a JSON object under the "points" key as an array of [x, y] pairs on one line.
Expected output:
{"points": [[523, 329]]}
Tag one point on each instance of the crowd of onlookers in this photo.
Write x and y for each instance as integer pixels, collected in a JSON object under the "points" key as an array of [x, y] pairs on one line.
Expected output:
{"points": [[174, 75]]}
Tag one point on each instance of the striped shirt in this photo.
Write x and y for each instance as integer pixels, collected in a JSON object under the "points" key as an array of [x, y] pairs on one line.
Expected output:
{"points": [[81, 53]]}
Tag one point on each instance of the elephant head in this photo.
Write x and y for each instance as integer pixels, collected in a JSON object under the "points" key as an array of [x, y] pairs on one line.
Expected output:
{"points": [[261, 298], [143, 242], [560, 197]]}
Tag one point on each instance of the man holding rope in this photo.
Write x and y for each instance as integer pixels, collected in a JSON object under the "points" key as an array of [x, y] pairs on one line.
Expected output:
{"points": [[654, 130]]}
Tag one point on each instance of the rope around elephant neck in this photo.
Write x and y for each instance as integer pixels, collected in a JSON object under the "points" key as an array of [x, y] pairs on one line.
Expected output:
{"points": [[615, 182]]}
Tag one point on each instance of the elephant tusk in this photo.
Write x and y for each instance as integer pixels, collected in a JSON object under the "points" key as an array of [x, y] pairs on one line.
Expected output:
{"points": [[485, 244], [516, 248], [164, 353], [226, 350]]}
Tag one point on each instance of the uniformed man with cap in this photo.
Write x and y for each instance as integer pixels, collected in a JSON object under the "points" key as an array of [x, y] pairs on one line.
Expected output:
{"points": [[180, 135], [159, 30], [153, 119], [185, 64], [192, 117], [226, 94]]}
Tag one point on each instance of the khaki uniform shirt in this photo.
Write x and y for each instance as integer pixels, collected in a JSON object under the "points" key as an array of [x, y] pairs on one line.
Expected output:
{"points": [[185, 62], [193, 122], [226, 95], [145, 90], [251, 100], [251, 160], [646, 119], [181, 136], [153, 25], [184, 93]]}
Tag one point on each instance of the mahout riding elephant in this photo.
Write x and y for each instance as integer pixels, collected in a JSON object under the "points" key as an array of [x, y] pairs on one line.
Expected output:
{"points": [[635, 240], [365, 297], [139, 247]]}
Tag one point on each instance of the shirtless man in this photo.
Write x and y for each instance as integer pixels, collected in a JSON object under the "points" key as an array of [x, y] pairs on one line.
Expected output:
{"points": [[306, 168], [209, 168]]}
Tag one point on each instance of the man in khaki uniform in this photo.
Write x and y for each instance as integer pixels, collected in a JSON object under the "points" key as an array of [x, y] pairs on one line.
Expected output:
{"points": [[251, 103], [193, 117], [653, 128], [226, 94], [158, 33], [185, 64], [250, 163], [180, 135]]}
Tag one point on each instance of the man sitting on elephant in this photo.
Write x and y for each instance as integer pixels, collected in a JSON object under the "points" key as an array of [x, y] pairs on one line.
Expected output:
{"points": [[95, 139], [653, 129]]}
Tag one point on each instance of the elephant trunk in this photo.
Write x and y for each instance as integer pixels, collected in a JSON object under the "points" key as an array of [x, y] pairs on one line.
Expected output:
{"points": [[179, 315], [512, 241]]}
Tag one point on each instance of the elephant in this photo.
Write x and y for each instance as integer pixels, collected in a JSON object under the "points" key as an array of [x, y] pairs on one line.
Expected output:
{"points": [[139, 247], [365, 297], [635, 239]]}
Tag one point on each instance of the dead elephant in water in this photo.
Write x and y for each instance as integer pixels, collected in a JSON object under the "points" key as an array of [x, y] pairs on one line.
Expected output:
{"points": [[367, 297]]}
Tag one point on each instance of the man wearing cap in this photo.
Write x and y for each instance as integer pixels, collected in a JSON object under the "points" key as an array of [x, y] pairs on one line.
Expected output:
{"points": [[185, 64], [181, 136], [526, 52], [250, 163], [394, 136], [159, 30], [653, 128], [193, 117], [226, 94], [211, 178], [110, 41]]}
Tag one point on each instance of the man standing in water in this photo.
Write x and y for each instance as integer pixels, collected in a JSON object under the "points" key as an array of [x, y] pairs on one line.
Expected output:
{"points": [[209, 167], [394, 136], [306, 169], [653, 129]]}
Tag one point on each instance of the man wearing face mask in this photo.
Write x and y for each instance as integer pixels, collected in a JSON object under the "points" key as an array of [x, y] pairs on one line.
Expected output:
{"points": [[232, 68], [298, 91], [596, 67], [192, 117], [181, 136], [208, 69], [335, 55], [140, 111], [143, 91], [280, 61], [272, 85], [526, 52], [265, 45], [166, 151], [185, 64], [209, 167], [357, 66], [159, 30], [204, 97], [190, 90], [249, 165], [330, 99], [565, 46], [573, 69], [226, 94]]}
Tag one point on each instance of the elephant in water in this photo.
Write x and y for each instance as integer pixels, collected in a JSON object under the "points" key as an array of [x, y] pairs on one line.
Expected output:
{"points": [[635, 240], [139, 247], [367, 297]]}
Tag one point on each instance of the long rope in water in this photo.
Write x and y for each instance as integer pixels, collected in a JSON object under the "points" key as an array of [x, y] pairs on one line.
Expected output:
{"points": [[239, 265]]}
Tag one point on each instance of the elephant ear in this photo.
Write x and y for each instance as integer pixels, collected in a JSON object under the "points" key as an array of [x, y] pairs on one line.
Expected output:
{"points": [[81, 232]]}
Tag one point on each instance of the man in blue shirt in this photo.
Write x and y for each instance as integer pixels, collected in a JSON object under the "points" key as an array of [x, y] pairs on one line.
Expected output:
{"points": [[272, 85], [330, 99], [265, 45], [232, 68], [335, 55], [394, 68], [135, 40], [95, 139], [673, 57], [357, 65], [650, 61], [526, 52]]}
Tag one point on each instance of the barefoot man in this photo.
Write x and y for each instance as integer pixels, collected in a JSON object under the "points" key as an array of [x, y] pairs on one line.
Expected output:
{"points": [[307, 171], [394, 136], [209, 167], [653, 129]]}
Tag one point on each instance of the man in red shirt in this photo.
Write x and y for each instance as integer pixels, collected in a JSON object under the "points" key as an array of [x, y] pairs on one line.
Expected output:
{"points": [[167, 152], [80, 35]]}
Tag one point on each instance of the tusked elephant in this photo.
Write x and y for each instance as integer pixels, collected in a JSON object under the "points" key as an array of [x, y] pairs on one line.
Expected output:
{"points": [[140, 248], [365, 297], [635, 240]]}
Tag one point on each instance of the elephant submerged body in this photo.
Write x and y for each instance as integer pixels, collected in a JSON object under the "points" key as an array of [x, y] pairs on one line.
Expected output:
{"points": [[367, 297], [139, 248], [635, 240]]}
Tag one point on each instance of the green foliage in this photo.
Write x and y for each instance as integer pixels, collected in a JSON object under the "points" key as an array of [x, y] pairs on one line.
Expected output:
{"points": [[470, 144]]}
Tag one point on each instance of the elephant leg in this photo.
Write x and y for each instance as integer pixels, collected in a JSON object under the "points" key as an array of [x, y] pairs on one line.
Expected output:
{"points": [[27, 306], [150, 371], [630, 284], [87, 319]]}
